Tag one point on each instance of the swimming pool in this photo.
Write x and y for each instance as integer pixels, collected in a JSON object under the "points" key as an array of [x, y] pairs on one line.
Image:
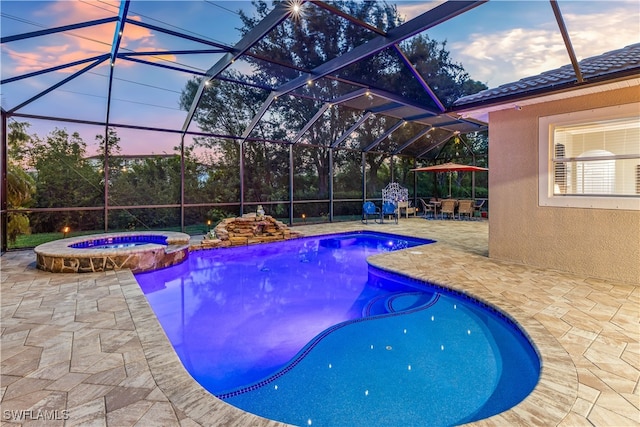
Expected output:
{"points": [[378, 348]]}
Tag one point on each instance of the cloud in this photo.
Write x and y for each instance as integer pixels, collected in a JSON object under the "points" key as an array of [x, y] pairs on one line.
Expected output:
{"points": [[80, 43], [411, 10], [510, 55], [79, 11], [501, 57]]}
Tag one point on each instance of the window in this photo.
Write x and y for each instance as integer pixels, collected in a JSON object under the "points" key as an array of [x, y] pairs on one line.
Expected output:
{"points": [[591, 159]]}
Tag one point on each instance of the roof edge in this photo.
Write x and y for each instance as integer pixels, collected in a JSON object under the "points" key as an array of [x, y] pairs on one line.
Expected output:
{"points": [[479, 110]]}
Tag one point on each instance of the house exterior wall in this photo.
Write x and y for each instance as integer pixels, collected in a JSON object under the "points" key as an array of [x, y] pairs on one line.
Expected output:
{"points": [[596, 242]]}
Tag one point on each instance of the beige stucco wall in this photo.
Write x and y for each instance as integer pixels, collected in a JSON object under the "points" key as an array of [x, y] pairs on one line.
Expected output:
{"points": [[595, 242]]}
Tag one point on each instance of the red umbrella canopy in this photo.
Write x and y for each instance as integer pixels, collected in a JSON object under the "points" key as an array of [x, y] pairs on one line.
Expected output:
{"points": [[450, 167]]}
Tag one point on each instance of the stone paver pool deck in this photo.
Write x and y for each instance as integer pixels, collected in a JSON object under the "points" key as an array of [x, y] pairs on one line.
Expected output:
{"points": [[86, 349]]}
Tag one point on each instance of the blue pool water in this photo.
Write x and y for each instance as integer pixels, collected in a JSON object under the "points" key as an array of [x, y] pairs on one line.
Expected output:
{"points": [[306, 333], [119, 242]]}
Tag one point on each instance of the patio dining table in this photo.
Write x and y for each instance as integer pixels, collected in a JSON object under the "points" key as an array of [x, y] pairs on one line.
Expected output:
{"points": [[435, 205]]}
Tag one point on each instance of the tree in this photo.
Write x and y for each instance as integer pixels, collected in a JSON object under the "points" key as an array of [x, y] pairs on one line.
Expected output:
{"points": [[447, 79], [20, 185], [303, 44], [110, 146], [64, 178]]}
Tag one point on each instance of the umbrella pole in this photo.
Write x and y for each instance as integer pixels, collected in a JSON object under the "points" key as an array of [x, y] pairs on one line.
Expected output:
{"points": [[449, 184]]}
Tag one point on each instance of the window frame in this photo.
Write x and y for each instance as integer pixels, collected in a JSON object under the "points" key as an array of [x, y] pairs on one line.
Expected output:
{"points": [[546, 167]]}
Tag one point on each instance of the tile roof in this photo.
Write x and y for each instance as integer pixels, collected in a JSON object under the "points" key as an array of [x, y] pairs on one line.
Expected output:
{"points": [[608, 66]]}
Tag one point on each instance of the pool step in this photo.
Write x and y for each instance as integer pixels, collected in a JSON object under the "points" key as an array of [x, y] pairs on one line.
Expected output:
{"points": [[396, 303]]}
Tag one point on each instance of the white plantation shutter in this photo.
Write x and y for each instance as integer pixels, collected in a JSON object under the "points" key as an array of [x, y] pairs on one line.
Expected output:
{"points": [[600, 158]]}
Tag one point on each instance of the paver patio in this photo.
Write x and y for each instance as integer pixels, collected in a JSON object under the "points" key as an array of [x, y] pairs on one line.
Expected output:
{"points": [[86, 349]]}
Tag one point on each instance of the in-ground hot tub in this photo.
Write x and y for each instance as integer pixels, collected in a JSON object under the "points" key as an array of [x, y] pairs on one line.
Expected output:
{"points": [[138, 251]]}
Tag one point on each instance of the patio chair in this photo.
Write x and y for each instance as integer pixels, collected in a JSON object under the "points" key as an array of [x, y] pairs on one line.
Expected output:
{"points": [[389, 209], [406, 208], [466, 207], [369, 209], [448, 208], [479, 204], [428, 207]]}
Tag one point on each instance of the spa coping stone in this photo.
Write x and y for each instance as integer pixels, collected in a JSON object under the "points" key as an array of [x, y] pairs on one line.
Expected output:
{"points": [[60, 256]]}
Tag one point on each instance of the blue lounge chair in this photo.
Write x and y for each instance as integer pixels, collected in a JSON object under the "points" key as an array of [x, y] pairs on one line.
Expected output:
{"points": [[369, 209], [389, 209]]}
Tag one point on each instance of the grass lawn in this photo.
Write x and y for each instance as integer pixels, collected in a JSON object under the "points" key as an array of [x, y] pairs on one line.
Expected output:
{"points": [[27, 241]]}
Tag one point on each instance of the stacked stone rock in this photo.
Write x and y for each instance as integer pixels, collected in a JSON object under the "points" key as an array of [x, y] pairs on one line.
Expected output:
{"points": [[249, 229]]}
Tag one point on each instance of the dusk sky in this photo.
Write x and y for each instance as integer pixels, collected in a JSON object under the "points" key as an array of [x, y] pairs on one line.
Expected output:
{"points": [[497, 42]]}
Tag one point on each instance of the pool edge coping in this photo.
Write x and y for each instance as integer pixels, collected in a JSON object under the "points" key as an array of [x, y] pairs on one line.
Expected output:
{"points": [[63, 246], [168, 371], [558, 373]]}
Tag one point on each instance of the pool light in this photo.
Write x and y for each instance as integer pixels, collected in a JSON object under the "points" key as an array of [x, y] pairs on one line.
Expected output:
{"points": [[66, 230]]}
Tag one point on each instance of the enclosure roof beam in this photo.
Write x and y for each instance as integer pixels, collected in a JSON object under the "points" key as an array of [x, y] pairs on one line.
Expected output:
{"points": [[348, 17], [435, 16], [263, 109], [279, 13], [310, 123], [349, 96], [445, 124], [196, 73], [319, 113], [49, 31], [351, 129], [384, 136], [385, 107], [567, 40], [413, 139], [394, 97], [430, 18], [437, 144], [172, 52], [419, 117], [115, 46], [60, 83], [149, 128], [56, 68], [117, 34], [469, 149], [419, 78], [179, 34]]}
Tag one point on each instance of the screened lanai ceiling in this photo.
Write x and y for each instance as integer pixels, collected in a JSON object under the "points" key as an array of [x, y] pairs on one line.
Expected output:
{"points": [[160, 65]]}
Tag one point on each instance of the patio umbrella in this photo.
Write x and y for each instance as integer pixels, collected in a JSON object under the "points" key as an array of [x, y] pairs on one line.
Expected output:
{"points": [[450, 167]]}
